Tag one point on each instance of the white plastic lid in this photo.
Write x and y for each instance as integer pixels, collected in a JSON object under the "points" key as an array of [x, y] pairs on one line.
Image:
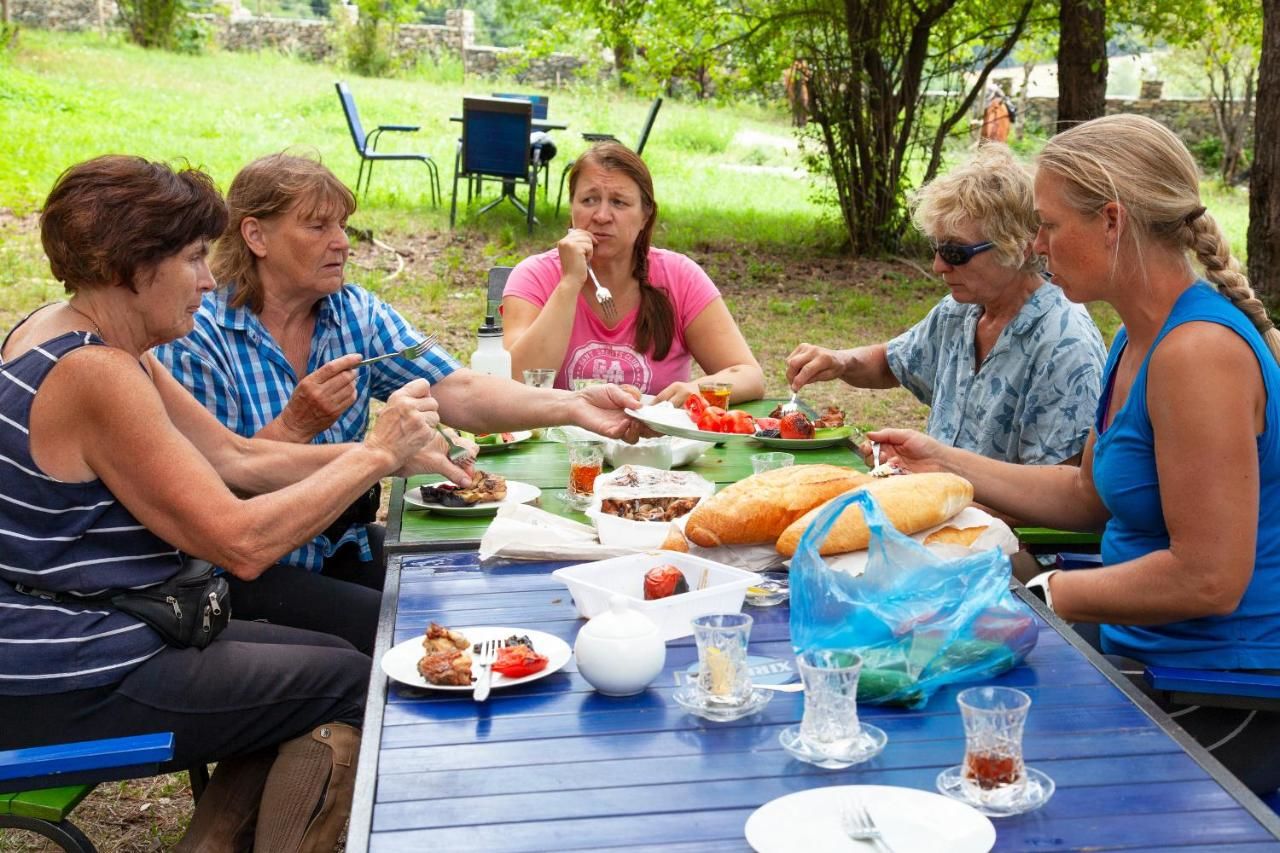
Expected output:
{"points": [[620, 622]]}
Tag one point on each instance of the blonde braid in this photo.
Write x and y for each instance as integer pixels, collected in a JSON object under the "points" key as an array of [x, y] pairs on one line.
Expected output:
{"points": [[1204, 237]]}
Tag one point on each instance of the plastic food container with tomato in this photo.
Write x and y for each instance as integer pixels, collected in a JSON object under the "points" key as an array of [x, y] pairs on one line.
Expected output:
{"points": [[592, 585]]}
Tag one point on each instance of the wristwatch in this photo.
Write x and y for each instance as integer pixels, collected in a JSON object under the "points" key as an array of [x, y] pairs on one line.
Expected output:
{"points": [[1039, 587]]}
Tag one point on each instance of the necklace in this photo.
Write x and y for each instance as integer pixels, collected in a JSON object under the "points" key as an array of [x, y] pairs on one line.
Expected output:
{"points": [[92, 322]]}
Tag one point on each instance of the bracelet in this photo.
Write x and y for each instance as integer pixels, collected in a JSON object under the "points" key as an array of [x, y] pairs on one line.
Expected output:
{"points": [[1039, 587]]}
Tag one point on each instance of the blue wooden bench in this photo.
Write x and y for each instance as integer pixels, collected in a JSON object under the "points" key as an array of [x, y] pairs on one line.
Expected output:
{"points": [[41, 786]]}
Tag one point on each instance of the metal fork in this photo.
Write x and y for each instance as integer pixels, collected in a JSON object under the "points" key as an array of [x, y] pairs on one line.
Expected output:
{"points": [[858, 824], [456, 453], [603, 296], [485, 659], [795, 405], [410, 353]]}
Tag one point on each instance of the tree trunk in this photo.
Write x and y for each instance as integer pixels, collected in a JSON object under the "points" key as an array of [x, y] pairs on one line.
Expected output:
{"points": [[1082, 61], [4, 11], [1264, 179]]}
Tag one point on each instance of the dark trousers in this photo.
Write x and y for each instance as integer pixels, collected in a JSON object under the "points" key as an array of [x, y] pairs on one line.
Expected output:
{"points": [[1246, 742], [342, 599], [253, 687]]}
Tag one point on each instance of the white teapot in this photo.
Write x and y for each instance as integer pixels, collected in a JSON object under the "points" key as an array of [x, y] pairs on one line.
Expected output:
{"points": [[620, 651]]}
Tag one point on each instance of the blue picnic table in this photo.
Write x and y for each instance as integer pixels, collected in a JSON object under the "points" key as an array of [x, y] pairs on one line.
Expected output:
{"points": [[552, 765]]}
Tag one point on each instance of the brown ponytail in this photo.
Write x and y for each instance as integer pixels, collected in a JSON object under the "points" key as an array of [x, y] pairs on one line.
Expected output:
{"points": [[656, 324]]}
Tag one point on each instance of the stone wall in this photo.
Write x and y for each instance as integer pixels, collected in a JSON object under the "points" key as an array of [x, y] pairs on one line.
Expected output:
{"points": [[1191, 119], [61, 14]]}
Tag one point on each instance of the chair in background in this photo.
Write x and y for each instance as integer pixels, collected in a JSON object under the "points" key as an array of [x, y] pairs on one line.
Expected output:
{"points": [[367, 145], [493, 298], [608, 137], [541, 103], [495, 146]]}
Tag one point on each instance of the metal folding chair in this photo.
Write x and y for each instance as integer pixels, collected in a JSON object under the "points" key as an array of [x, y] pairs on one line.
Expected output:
{"points": [[495, 147], [367, 145]]}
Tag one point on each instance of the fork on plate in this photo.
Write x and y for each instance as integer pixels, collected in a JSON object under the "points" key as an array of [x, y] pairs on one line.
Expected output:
{"points": [[603, 296], [485, 659], [858, 824], [411, 353]]}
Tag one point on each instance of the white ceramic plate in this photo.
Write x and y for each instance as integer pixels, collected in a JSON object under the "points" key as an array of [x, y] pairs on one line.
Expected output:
{"points": [[911, 821], [401, 660], [516, 438], [671, 424], [517, 493]]}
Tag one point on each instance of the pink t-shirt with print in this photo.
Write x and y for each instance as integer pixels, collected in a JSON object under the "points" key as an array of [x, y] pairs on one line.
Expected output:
{"points": [[599, 352]]}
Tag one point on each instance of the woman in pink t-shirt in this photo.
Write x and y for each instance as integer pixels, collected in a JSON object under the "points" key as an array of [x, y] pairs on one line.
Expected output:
{"points": [[667, 309]]}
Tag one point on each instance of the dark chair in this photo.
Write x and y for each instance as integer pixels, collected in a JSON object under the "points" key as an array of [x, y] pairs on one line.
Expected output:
{"points": [[497, 283], [495, 147], [367, 145], [541, 103], [609, 137]]}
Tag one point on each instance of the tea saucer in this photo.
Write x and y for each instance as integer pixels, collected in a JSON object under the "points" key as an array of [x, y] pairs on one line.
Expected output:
{"points": [[1035, 793], [688, 696], [871, 741]]}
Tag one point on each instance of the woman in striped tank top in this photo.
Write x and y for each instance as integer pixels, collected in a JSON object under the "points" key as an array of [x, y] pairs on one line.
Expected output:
{"points": [[110, 471]]}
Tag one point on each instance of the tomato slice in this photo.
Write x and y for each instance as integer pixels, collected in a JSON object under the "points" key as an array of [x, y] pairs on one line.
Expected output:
{"points": [[695, 406], [768, 423], [739, 421], [712, 420], [519, 661]]}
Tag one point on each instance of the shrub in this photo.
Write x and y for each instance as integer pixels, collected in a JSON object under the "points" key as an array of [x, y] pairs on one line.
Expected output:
{"points": [[153, 23]]}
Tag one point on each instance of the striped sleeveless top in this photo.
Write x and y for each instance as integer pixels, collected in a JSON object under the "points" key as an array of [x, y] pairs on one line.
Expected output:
{"points": [[67, 538]]}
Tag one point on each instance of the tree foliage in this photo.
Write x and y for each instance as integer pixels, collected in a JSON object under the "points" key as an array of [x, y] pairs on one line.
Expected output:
{"points": [[153, 23]]}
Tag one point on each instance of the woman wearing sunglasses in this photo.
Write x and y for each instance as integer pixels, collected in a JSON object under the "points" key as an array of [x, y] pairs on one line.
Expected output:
{"points": [[1009, 367], [1181, 472]]}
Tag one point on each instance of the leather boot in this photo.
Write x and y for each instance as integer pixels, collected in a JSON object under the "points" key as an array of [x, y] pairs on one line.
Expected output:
{"points": [[308, 794], [226, 813]]}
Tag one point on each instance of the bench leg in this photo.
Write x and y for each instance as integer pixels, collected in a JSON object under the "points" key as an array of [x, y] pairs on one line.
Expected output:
{"points": [[63, 833]]}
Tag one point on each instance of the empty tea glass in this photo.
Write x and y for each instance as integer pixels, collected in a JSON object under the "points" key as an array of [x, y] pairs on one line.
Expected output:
{"points": [[716, 393], [540, 377], [830, 734], [994, 779], [761, 462], [586, 460]]}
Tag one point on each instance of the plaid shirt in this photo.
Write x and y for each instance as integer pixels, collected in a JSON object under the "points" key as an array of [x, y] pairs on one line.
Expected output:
{"points": [[233, 366]]}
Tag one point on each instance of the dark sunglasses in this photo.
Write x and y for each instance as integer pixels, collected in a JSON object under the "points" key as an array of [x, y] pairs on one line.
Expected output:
{"points": [[958, 254]]}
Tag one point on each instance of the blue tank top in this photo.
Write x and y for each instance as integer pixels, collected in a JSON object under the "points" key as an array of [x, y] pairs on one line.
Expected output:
{"points": [[68, 538], [1124, 473]]}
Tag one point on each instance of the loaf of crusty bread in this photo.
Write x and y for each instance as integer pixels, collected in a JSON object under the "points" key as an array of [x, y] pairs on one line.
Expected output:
{"points": [[951, 535], [912, 502], [757, 509]]}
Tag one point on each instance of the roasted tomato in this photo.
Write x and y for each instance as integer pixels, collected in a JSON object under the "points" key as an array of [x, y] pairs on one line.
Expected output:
{"points": [[795, 425], [519, 661], [664, 581], [768, 423], [712, 420], [736, 420], [695, 406]]}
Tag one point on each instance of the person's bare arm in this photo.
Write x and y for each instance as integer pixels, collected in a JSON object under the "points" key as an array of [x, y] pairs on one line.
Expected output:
{"points": [[97, 415], [1206, 402], [539, 336], [861, 367], [717, 344]]}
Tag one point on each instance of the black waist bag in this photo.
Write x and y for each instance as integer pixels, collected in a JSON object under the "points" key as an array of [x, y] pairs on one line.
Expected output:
{"points": [[188, 610]]}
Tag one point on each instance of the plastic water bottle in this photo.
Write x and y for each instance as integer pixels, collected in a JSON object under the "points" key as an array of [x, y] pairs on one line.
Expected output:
{"points": [[490, 357]]}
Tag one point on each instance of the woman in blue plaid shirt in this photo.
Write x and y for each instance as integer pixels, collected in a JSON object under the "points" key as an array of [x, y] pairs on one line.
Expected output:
{"points": [[274, 353]]}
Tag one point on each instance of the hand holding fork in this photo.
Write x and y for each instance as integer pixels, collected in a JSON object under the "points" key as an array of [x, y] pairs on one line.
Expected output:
{"points": [[603, 296]]}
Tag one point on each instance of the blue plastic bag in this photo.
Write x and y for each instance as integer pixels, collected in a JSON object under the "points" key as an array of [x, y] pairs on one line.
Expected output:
{"points": [[918, 620]]}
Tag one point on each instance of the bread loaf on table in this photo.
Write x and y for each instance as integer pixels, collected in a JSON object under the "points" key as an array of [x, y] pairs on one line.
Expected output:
{"points": [[912, 502], [755, 510]]}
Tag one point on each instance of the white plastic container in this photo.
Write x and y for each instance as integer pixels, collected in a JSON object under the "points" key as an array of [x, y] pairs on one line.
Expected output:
{"points": [[592, 585], [490, 357]]}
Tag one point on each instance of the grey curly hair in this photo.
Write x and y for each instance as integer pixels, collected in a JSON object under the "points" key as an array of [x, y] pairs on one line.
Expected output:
{"points": [[1143, 166]]}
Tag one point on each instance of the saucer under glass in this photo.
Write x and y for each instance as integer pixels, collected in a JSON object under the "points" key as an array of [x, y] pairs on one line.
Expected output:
{"points": [[688, 696], [868, 744], [996, 802]]}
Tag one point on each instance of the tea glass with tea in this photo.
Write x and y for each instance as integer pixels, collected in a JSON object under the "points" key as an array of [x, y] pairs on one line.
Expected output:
{"points": [[830, 734], [723, 690], [716, 393], [586, 460], [994, 778]]}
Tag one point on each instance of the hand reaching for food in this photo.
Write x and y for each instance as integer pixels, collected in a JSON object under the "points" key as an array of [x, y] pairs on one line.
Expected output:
{"points": [[808, 363], [908, 449], [602, 409], [406, 424], [677, 393]]}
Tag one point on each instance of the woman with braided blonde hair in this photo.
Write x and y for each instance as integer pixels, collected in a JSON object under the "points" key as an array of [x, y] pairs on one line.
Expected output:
{"points": [[1182, 470]]}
